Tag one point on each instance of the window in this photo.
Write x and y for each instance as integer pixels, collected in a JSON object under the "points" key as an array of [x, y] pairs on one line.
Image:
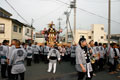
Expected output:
{"points": [[20, 30], [1, 13], [92, 32], [89, 37], [31, 31], [102, 28], [2, 28], [81, 36], [102, 37], [15, 28], [69, 36], [27, 30]]}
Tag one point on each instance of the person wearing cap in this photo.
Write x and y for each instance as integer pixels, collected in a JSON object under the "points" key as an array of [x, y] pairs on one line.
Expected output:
{"points": [[53, 56], [83, 64]]}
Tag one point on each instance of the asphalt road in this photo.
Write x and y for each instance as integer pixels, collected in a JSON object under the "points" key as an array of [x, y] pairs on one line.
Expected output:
{"points": [[65, 71]]}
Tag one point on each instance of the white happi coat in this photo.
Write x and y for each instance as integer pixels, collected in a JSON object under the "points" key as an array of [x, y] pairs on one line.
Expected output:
{"points": [[29, 51], [3, 53], [63, 51], [73, 49], [93, 51], [41, 50], [118, 52], [36, 49], [110, 54], [102, 52], [10, 52], [46, 50], [80, 59], [68, 51], [97, 51], [55, 53], [17, 61]]}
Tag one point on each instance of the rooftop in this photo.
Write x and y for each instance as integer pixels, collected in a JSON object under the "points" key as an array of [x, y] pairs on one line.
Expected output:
{"points": [[5, 12]]}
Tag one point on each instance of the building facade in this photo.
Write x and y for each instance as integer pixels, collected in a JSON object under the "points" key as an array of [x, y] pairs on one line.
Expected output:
{"points": [[10, 29], [96, 33], [39, 37], [28, 34], [13, 29]]}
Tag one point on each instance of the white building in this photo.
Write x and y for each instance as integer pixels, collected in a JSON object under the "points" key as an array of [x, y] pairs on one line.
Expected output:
{"points": [[39, 37], [28, 33], [96, 33]]}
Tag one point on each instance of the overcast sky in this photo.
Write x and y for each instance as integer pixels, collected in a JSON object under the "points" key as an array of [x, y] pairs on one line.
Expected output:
{"points": [[45, 11]]}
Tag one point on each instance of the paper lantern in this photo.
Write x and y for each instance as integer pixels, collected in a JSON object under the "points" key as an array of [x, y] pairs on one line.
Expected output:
{"points": [[45, 29], [42, 32], [60, 30], [54, 37]]}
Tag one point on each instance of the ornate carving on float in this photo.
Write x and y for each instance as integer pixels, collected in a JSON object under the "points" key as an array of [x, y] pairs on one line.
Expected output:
{"points": [[51, 35]]}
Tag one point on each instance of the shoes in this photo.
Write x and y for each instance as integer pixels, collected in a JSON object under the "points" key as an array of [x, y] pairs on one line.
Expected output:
{"points": [[111, 73], [48, 71], [94, 74], [118, 76], [54, 72], [115, 72]]}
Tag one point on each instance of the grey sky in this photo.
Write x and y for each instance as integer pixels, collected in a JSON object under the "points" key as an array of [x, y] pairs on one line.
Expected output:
{"points": [[45, 11]]}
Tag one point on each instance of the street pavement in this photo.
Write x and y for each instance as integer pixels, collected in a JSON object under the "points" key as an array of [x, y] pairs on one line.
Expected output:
{"points": [[65, 71]]}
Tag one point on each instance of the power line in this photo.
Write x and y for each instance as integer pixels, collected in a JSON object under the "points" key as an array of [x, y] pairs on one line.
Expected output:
{"points": [[96, 1], [51, 12], [97, 15], [16, 11], [63, 2], [89, 12]]}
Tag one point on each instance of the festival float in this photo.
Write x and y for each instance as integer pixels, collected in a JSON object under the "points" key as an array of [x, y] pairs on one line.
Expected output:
{"points": [[51, 34]]}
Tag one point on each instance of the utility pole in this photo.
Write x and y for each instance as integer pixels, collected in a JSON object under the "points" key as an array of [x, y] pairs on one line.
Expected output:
{"points": [[67, 19], [32, 30], [109, 21], [119, 41], [59, 19], [73, 6], [74, 19]]}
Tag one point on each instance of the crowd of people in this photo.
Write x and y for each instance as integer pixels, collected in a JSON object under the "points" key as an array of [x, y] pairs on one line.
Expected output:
{"points": [[13, 57], [94, 57], [88, 58]]}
